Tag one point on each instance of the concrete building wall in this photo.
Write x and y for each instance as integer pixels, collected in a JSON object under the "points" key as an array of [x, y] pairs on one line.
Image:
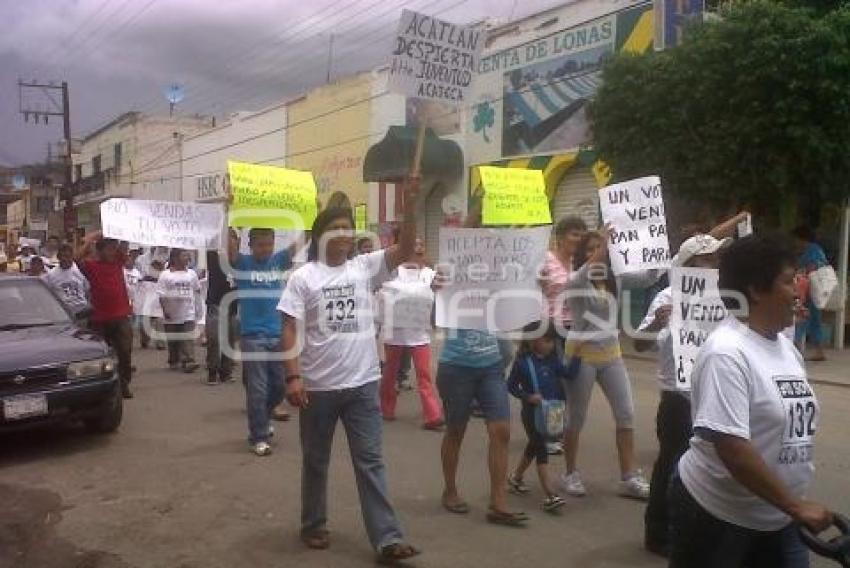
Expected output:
{"points": [[256, 137]]}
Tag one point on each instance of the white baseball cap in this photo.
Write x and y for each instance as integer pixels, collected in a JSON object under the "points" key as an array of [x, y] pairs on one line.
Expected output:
{"points": [[699, 245]]}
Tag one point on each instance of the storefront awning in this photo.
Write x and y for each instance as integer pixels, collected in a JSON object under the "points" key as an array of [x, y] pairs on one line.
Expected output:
{"points": [[391, 158]]}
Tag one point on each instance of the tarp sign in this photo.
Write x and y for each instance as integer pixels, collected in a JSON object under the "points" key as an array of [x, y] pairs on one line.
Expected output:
{"points": [[491, 277], [271, 197], [514, 196], [635, 209], [163, 223], [697, 310], [433, 59], [360, 218]]}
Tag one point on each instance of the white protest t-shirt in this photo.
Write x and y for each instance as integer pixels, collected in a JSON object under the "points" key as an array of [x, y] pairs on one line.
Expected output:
{"points": [[666, 361], [71, 286], [178, 290], [335, 306], [132, 276], [418, 281], [747, 386]]}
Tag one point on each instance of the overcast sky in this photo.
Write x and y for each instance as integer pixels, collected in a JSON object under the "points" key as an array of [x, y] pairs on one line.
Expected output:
{"points": [[119, 55]]}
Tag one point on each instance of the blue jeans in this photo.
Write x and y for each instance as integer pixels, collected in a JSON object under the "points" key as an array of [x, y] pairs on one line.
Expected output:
{"points": [[812, 327], [263, 382], [460, 387], [360, 412]]}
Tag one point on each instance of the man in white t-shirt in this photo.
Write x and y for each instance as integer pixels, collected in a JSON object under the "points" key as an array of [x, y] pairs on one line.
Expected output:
{"points": [[70, 284], [179, 294], [741, 486], [327, 309], [673, 420]]}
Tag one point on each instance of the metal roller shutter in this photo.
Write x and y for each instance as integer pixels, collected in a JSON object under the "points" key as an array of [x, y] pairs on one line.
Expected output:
{"points": [[577, 194]]}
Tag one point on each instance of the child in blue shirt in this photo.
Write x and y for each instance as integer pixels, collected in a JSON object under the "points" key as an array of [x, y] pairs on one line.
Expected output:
{"points": [[538, 350]]}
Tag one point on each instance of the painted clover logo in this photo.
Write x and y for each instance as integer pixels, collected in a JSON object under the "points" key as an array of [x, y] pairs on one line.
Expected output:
{"points": [[485, 117]]}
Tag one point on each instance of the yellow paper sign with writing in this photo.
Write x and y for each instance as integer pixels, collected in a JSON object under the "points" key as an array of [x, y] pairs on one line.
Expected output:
{"points": [[514, 196], [271, 197], [360, 218]]}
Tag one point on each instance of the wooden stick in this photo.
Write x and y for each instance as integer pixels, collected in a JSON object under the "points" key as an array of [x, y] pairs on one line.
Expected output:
{"points": [[420, 148]]}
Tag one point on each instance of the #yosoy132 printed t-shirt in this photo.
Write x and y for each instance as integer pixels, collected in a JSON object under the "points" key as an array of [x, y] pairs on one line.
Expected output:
{"points": [[179, 292], [335, 305], [751, 387]]}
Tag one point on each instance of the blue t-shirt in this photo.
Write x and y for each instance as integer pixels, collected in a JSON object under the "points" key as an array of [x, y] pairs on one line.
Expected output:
{"points": [[258, 315], [549, 370], [471, 348]]}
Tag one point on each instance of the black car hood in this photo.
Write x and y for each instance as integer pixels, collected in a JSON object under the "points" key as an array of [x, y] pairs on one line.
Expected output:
{"points": [[48, 345]]}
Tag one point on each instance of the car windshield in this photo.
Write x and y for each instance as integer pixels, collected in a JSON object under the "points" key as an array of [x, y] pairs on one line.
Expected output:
{"points": [[27, 303]]}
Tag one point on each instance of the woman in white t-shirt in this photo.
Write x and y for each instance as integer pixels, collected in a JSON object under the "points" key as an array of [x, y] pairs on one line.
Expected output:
{"points": [[740, 488], [407, 301], [332, 372]]}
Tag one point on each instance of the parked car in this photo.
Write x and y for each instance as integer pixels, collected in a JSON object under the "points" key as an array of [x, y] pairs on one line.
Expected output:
{"points": [[51, 369]]}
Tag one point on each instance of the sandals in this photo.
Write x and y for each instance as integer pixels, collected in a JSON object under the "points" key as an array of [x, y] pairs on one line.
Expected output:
{"points": [[318, 539], [397, 552], [458, 508], [506, 518]]}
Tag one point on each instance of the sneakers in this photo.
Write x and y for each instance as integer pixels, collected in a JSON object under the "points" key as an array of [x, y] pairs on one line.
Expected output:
{"points": [[262, 449], [552, 503], [634, 486], [573, 485], [517, 486]]}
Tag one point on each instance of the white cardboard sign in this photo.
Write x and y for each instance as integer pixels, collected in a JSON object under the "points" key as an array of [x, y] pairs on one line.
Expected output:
{"points": [[697, 310], [491, 277], [635, 210], [434, 59], [163, 223]]}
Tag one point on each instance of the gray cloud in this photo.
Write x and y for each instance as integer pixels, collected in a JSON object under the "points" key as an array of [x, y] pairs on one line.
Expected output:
{"points": [[117, 55]]}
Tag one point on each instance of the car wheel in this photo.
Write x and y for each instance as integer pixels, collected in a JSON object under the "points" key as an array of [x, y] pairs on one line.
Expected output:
{"points": [[109, 418]]}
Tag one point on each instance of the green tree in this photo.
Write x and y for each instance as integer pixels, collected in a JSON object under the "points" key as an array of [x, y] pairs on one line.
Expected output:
{"points": [[752, 109]]}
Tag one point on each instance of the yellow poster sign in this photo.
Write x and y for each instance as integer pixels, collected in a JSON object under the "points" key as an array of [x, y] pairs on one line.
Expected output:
{"points": [[271, 197], [514, 196], [360, 218]]}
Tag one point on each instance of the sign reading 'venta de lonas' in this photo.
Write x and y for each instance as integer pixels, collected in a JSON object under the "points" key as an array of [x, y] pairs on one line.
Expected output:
{"points": [[434, 59]]}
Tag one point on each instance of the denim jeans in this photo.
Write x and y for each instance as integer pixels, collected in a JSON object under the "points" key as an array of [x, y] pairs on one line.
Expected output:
{"points": [[700, 540], [359, 410], [263, 382]]}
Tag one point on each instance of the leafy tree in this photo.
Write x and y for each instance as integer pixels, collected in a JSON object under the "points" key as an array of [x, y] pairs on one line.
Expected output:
{"points": [[753, 109]]}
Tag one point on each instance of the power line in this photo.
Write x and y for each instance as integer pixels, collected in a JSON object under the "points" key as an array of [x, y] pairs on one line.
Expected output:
{"points": [[70, 38], [459, 110]]}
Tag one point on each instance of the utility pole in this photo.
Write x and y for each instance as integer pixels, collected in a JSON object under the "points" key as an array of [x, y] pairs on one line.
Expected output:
{"points": [[54, 109]]}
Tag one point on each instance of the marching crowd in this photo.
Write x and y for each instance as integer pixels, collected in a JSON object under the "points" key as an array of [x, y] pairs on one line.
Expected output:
{"points": [[735, 453]]}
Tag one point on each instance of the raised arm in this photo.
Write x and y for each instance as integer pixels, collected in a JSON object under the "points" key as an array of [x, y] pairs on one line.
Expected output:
{"points": [[85, 249], [728, 228], [403, 250]]}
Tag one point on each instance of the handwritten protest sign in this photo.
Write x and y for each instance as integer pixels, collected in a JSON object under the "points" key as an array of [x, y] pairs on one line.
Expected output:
{"points": [[163, 223], [635, 209], [406, 305], [434, 59], [271, 197], [514, 196], [491, 277], [697, 310], [360, 218]]}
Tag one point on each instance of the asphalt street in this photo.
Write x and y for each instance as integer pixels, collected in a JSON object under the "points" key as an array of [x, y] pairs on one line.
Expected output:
{"points": [[177, 487]]}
